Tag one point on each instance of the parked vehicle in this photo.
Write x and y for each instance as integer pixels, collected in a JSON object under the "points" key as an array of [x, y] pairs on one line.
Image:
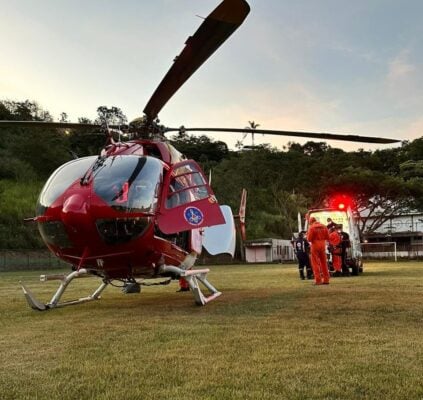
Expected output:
{"points": [[343, 217]]}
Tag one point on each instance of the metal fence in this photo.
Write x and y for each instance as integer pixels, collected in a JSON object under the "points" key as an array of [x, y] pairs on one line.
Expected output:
{"points": [[392, 250], [13, 260]]}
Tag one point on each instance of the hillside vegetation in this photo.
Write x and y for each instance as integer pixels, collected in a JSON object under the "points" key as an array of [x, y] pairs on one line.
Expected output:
{"points": [[280, 183]]}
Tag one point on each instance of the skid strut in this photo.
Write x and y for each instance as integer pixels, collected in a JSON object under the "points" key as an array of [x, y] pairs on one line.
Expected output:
{"points": [[55, 300], [193, 277]]}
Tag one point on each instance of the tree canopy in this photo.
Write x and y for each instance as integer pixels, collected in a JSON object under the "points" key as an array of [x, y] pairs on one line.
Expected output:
{"points": [[280, 183]]}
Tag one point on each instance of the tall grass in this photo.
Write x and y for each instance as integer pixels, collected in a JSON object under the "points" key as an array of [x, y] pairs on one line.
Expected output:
{"points": [[17, 202], [269, 336]]}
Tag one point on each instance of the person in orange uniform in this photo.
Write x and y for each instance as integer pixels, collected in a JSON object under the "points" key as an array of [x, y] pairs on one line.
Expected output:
{"points": [[183, 285], [335, 240], [317, 235]]}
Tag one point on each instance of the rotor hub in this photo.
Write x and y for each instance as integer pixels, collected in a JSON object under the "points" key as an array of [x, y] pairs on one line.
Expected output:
{"points": [[143, 128]]}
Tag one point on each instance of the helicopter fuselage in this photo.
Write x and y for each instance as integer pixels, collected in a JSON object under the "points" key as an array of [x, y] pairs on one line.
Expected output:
{"points": [[125, 213]]}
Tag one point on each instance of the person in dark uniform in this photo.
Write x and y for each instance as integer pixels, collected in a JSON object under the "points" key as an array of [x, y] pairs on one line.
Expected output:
{"points": [[345, 244], [330, 224], [302, 249]]}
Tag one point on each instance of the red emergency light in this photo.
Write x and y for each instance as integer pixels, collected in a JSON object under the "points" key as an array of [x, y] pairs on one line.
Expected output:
{"points": [[341, 202]]}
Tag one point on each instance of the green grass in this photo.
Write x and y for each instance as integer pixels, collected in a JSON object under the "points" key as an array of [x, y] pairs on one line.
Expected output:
{"points": [[269, 336]]}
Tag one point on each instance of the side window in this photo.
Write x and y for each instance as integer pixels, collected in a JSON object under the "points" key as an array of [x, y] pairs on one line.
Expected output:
{"points": [[188, 202], [185, 186]]}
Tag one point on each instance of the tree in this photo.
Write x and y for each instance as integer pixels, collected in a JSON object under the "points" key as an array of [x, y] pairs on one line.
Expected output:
{"points": [[289, 204], [252, 126], [111, 116], [273, 181], [411, 169], [378, 196], [23, 111], [413, 150], [38, 150], [206, 151], [63, 117]]}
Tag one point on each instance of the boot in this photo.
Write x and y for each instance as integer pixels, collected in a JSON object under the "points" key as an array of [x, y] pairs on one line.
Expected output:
{"points": [[345, 270]]}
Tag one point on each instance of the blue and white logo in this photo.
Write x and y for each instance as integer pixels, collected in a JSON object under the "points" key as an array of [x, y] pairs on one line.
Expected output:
{"points": [[193, 216]]}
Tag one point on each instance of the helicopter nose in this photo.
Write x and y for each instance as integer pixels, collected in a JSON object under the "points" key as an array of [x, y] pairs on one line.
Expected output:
{"points": [[75, 212]]}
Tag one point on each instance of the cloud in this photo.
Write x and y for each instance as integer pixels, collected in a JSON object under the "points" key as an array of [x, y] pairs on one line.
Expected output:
{"points": [[404, 83], [401, 70], [414, 129]]}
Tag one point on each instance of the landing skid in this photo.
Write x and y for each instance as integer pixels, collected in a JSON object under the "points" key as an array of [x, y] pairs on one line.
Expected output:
{"points": [[193, 277], [184, 270], [55, 300]]}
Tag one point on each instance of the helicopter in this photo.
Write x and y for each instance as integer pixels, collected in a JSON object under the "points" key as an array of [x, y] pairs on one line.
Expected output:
{"points": [[140, 210]]}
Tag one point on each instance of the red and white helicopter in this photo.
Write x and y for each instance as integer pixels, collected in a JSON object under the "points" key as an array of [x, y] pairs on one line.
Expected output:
{"points": [[140, 210]]}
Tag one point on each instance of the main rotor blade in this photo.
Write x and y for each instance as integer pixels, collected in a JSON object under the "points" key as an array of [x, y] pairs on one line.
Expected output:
{"points": [[321, 135], [215, 29], [44, 124]]}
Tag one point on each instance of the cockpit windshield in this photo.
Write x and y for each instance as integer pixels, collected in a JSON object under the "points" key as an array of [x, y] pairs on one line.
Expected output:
{"points": [[61, 179], [129, 183]]}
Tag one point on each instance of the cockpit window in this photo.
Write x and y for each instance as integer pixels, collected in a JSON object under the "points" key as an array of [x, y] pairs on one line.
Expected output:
{"points": [[61, 179], [129, 183], [186, 185]]}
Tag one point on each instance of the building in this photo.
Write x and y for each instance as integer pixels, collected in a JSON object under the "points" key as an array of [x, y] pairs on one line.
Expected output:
{"points": [[268, 250], [403, 232]]}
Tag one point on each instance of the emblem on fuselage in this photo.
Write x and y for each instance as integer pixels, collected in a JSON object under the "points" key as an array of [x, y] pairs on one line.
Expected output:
{"points": [[193, 216]]}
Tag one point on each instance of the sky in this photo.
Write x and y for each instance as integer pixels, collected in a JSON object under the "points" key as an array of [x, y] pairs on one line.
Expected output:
{"points": [[336, 66]]}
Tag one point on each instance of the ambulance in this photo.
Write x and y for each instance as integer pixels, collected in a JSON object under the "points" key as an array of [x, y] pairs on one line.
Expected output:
{"points": [[342, 215]]}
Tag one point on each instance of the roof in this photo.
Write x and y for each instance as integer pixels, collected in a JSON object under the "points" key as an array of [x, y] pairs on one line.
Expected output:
{"points": [[266, 242]]}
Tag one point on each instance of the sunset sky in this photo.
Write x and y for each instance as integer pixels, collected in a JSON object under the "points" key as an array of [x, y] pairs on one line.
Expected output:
{"points": [[312, 65]]}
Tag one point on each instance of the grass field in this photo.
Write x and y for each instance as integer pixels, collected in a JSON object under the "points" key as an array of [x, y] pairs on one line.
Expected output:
{"points": [[270, 336]]}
